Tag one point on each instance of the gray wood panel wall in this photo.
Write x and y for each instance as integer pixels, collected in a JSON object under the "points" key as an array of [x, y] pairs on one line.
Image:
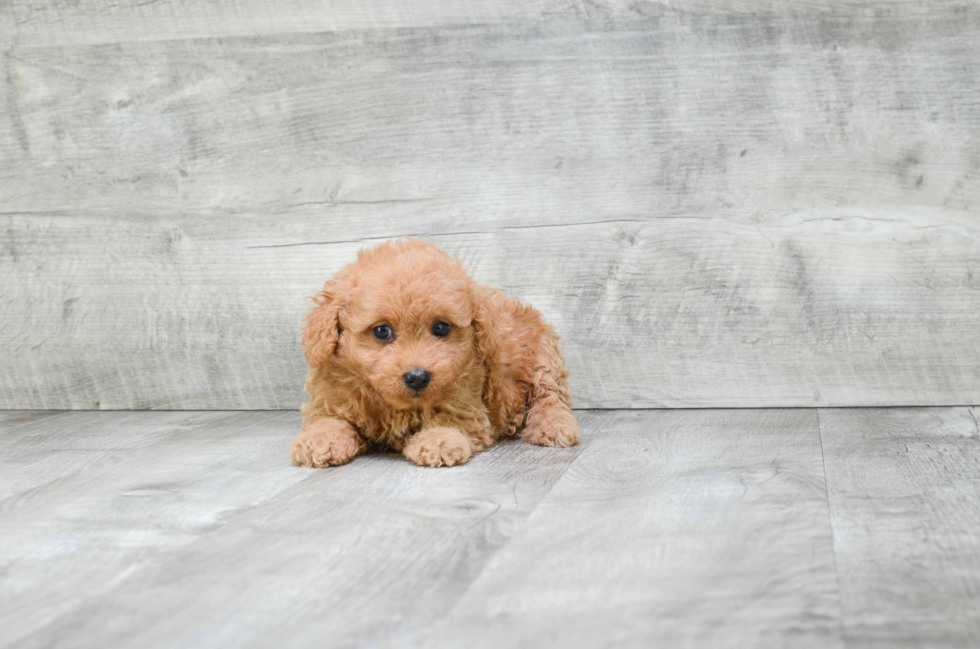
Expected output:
{"points": [[726, 204]]}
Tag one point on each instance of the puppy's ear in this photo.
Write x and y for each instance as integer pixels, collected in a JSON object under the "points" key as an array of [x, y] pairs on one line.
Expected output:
{"points": [[322, 328], [485, 329]]}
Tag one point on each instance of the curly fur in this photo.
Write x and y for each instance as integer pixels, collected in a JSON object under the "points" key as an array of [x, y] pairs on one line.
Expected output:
{"points": [[499, 371]]}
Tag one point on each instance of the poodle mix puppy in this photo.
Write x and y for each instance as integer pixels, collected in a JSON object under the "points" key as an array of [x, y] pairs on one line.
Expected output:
{"points": [[407, 353]]}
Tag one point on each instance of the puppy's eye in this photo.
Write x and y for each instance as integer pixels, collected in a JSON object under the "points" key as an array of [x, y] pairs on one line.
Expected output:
{"points": [[440, 330], [383, 332]]}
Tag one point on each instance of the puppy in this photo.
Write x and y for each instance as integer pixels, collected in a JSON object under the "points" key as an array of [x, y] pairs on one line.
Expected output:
{"points": [[407, 353]]}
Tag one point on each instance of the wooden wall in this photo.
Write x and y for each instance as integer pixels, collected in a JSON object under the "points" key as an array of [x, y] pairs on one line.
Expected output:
{"points": [[718, 203]]}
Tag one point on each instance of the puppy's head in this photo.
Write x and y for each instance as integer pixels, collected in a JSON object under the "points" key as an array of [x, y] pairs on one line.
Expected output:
{"points": [[400, 320]]}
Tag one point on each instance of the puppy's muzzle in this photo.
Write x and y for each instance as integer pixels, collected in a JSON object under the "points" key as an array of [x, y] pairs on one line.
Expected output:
{"points": [[417, 379]]}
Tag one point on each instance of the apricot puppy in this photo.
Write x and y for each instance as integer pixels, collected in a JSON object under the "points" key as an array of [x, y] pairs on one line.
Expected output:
{"points": [[406, 352]]}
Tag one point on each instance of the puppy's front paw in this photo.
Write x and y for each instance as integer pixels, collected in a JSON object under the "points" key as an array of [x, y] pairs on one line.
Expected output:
{"points": [[326, 442], [551, 426], [440, 446]]}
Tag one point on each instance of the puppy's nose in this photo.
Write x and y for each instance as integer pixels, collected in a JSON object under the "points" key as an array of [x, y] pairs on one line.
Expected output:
{"points": [[417, 379]]}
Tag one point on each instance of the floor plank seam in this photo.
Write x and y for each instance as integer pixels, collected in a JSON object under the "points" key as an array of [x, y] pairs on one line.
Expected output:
{"points": [[520, 532], [833, 542]]}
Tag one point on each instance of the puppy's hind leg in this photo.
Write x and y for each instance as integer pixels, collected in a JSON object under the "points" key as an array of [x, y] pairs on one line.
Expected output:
{"points": [[550, 420]]}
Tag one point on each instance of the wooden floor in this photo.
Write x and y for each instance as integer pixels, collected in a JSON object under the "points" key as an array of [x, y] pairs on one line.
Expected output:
{"points": [[683, 528]]}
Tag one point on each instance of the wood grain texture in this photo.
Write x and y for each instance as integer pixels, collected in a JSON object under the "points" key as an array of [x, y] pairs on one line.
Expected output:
{"points": [[715, 209], [88, 498], [681, 312], [693, 529], [905, 504], [29, 23], [182, 529]]}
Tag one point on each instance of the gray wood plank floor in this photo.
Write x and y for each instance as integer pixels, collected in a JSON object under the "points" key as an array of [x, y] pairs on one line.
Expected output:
{"points": [[702, 528]]}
